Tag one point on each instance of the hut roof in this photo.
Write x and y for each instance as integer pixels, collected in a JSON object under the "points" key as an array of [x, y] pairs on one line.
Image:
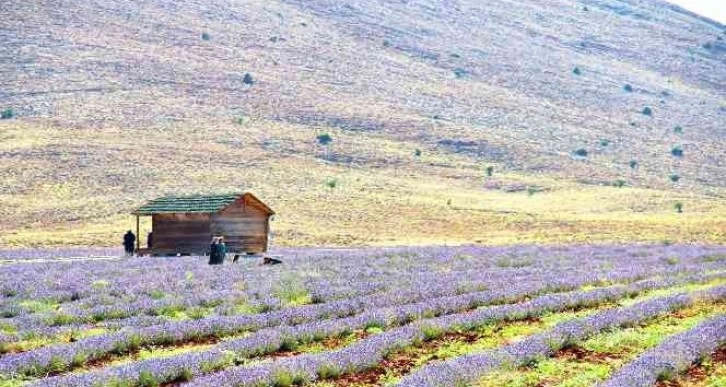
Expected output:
{"points": [[194, 204]]}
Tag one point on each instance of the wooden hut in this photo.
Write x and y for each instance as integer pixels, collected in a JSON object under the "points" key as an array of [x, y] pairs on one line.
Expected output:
{"points": [[186, 224]]}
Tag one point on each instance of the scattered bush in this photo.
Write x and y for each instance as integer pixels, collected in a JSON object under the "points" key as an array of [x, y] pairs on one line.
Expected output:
{"points": [[7, 114], [647, 111], [604, 142], [678, 130], [581, 152], [248, 80], [147, 379], [674, 178], [577, 71], [460, 73], [329, 371], [620, 183], [324, 138], [628, 88], [708, 46], [332, 183], [431, 332], [417, 153], [490, 171], [679, 207], [206, 36], [633, 164], [386, 43], [677, 151]]}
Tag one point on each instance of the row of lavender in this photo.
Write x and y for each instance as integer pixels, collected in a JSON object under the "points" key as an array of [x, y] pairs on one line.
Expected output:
{"points": [[88, 292], [349, 287], [66, 356], [408, 289], [273, 339], [464, 369]]}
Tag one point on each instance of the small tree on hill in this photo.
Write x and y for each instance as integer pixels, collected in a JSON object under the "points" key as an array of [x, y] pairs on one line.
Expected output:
{"points": [[677, 151], [460, 73], [633, 164], [647, 111], [628, 88], [417, 152], [206, 36], [332, 183], [577, 71], [678, 130], [490, 171], [620, 183], [248, 80], [7, 114], [674, 178], [581, 152], [324, 138], [679, 207]]}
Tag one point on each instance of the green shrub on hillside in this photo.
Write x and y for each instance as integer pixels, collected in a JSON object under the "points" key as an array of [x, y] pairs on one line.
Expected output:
{"points": [[678, 130], [679, 207], [324, 138], [633, 164], [677, 151], [628, 88], [7, 114], [674, 178], [647, 111], [460, 73], [248, 80], [577, 71], [581, 152], [206, 36]]}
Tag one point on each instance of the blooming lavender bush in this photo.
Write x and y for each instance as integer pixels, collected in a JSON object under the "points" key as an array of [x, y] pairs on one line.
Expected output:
{"points": [[673, 356], [78, 311]]}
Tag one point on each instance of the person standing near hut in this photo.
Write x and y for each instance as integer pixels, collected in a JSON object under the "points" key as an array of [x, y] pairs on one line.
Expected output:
{"points": [[150, 240], [217, 251], [129, 240]]}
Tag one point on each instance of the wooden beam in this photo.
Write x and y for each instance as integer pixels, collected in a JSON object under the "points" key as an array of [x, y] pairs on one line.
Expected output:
{"points": [[138, 236]]}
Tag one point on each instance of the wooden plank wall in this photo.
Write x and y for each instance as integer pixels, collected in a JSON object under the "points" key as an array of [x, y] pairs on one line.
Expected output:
{"points": [[181, 233], [243, 225]]}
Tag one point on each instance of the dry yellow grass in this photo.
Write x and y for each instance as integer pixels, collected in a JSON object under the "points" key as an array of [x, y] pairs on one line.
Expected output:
{"points": [[388, 197]]}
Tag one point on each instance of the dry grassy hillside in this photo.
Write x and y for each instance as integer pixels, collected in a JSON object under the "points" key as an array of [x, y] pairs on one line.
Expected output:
{"points": [[114, 102]]}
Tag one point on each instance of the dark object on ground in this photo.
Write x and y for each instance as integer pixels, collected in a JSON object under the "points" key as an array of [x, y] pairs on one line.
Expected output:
{"points": [[267, 260], [236, 258], [150, 240], [129, 240]]}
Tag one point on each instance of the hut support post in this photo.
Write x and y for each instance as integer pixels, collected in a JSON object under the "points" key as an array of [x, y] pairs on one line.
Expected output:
{"points": [[138, 236]]}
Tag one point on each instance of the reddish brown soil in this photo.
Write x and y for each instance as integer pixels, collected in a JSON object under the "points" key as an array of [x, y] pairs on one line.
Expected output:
{"points": [[583, 355], [401, 363], [696, 372]]}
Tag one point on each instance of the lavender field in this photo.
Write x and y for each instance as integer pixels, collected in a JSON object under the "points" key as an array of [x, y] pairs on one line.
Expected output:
{"points": [[427, 316]]}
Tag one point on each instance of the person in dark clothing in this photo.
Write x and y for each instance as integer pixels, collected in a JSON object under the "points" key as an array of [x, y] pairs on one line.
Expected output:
{"points": [[129, 240], [150, 240], [217, 251]]}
